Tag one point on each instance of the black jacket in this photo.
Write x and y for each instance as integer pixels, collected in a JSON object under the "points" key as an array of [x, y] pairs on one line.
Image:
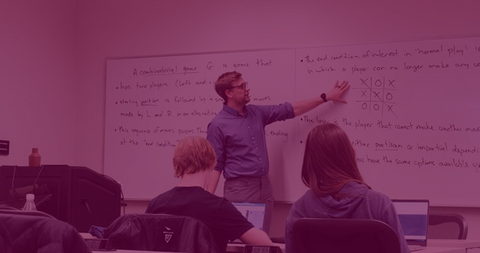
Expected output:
{"points": [[26, 232], [160, 232]]}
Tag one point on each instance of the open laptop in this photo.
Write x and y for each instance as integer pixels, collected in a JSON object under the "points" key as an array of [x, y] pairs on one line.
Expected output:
{"points": [[413, 215], [255, 212]]}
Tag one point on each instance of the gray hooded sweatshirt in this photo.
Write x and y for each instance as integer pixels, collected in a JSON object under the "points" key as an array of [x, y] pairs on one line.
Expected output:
{"points": [[364, 204]]}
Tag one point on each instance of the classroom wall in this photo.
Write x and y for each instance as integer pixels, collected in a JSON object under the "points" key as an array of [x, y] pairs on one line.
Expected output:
{"points": [[53, 56], [38, 83]]}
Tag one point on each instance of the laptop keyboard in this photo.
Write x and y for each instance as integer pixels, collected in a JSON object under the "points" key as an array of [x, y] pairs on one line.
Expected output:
{"points": [[278, 239]]}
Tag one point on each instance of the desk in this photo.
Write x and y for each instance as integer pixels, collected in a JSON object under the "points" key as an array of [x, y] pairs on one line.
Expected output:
{"points": [[468, 244], [234, 248], [238, 247], [434, 246], [432, 249], [134, 251]]}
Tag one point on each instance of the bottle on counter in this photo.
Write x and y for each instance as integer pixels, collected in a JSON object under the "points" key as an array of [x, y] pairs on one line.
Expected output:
{"points": [[34, 159]]}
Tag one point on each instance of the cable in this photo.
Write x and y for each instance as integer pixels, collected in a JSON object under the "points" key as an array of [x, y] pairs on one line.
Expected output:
{"points": [[13, 182], [35, 182], [15, 194], [122, 197]]}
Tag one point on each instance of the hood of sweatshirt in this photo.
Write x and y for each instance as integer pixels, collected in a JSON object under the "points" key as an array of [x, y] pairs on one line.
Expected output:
{"points": [[330, 207]]}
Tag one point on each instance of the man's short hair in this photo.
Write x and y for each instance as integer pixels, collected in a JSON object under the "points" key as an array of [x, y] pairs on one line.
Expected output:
{"points": [[224, 82], [193, 154]]}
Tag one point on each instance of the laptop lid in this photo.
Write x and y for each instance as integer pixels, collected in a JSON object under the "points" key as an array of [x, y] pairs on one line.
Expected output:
{"points": [[413, 215], [254, 212]]}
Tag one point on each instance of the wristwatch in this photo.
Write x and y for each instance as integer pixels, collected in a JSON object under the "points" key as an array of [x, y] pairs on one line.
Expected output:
{"points": [[324, 97]]}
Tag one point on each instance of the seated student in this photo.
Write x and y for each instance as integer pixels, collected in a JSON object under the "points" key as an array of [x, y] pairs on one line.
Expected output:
{"points": [[337, 189], [193, 160]]}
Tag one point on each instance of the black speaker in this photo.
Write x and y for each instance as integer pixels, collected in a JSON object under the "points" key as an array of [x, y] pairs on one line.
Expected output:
{"points": [[77, 195]]}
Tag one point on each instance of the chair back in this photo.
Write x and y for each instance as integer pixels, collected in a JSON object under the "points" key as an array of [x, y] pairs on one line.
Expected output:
{"points": [[447, 226], [6, 241], [12, 211], [160, 232], [344, 236], [35, 231]]}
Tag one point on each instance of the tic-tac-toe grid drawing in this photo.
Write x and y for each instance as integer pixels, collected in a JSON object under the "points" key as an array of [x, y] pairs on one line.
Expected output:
{"points": [[377, 95]]}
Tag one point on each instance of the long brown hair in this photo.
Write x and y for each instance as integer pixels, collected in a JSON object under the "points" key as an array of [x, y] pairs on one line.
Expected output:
{"points": [[329, 161]]}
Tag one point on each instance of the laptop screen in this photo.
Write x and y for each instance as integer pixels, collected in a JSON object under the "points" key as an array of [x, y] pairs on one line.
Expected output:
{"points": [[413, 215], [253, 212]]}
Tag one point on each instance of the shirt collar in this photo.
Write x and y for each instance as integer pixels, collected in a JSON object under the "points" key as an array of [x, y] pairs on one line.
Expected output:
{"points": [[231, 111]]}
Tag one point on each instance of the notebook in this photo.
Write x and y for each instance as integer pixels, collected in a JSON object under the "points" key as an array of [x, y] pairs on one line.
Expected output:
{"points": [[413, 216]]}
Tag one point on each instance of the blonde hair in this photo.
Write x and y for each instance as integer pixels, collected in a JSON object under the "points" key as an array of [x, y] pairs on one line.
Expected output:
{"points": [[224, 82], [193, 154]]}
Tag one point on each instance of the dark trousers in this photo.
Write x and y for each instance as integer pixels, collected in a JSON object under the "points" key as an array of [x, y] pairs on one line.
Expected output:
{"points": [[254, 189]]}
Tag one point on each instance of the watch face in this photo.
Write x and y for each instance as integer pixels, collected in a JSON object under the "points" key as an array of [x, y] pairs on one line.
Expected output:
{"points": [[324, 97]]}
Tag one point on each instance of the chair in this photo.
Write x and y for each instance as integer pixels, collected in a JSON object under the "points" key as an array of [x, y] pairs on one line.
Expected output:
{"points": [[34, 231], [14, 211], [160, 232], [344, 236], [6, 240], [447, 226]]}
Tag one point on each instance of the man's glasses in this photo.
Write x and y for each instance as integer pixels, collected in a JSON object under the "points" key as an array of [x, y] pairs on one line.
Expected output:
{"points": [[242, 86]]}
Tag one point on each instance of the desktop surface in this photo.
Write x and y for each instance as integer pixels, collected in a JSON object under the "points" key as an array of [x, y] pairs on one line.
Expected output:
{"points": [[237, 247], [468, 243], [436, 246]]}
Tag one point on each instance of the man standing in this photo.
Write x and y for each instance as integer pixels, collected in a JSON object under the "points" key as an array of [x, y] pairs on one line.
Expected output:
{"points": [[237, 133]]}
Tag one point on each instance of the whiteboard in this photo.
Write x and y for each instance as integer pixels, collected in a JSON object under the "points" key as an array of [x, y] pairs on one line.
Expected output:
{"points": [[411, 114], [151, 103]]}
